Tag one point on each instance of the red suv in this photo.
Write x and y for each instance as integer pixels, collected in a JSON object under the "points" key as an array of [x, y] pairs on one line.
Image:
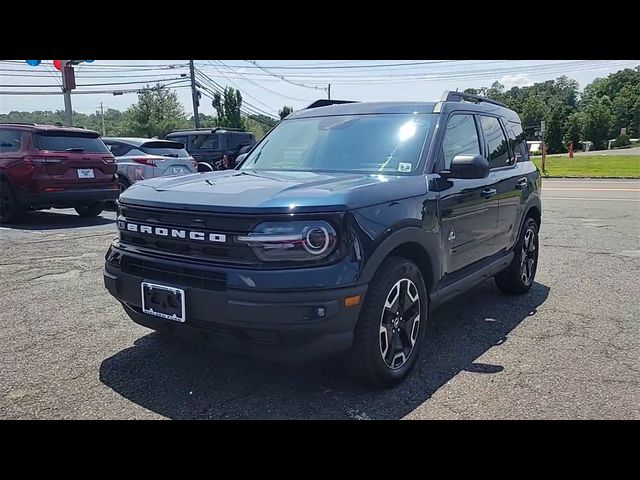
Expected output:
{"points": [[48, 166]]}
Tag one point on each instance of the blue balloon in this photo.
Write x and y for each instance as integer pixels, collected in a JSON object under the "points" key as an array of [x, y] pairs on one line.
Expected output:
{"points": [[34, 63], [88, 61]]}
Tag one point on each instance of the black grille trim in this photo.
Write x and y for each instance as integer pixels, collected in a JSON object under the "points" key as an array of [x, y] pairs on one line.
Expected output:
{"points": [[187, 276]]}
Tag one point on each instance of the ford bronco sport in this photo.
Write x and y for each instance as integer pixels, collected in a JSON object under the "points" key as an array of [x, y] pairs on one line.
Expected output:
{"points": [[337, 234]]}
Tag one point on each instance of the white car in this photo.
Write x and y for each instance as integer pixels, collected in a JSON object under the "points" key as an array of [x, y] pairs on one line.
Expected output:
{"points": [[142, 158]]}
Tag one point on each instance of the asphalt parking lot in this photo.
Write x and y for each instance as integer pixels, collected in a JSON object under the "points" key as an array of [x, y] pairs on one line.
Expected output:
{"points": [[570, 349]]}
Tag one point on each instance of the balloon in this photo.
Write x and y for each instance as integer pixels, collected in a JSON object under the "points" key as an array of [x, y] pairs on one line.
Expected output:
{"points": [[57, 64], [89, 61], [34, 63]]}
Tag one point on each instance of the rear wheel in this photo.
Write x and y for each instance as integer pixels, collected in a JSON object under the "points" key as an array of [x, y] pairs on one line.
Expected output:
{"points": [[10, 209], [390, 330], [123, 184], [91, 210], [519, 276]]}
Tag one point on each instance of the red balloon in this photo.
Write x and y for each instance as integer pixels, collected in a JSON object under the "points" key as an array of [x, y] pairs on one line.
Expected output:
{"points": [[57, 64]]}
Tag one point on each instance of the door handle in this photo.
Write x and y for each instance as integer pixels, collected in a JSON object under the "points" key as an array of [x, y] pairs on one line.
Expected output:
{"points": [[522, 183], [489, 192]]}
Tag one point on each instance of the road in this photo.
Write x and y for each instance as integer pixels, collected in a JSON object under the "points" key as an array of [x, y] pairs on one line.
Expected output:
{"points": [[568, 349]]}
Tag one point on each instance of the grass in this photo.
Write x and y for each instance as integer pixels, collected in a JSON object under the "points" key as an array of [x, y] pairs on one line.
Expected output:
{"points": [[592, 166]]}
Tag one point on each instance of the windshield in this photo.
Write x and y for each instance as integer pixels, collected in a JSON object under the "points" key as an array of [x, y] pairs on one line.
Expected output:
{"points": [[381, 143], [62, 141]]}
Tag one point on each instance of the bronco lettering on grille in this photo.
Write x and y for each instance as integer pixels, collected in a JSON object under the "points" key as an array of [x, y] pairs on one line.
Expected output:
{"points": [[172, 232]]}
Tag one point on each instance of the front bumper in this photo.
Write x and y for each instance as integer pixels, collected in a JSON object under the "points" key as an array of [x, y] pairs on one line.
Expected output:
{"points": [[279, 325], [69, 198]]}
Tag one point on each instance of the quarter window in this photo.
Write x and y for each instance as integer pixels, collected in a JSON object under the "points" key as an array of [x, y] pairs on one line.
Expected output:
{"points": [[460, 138], [496, 141]]}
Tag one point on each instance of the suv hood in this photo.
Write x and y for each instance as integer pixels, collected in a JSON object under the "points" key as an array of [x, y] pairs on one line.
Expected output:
{"points": [[272, 192]]}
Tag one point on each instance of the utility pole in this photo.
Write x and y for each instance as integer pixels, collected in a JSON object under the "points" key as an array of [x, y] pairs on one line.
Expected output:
{"points": [[66, 90], [194, 94], [104, 130], [329, 92]]}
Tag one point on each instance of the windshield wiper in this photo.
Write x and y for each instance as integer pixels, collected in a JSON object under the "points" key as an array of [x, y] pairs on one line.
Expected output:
{"points": [[74, 149]]}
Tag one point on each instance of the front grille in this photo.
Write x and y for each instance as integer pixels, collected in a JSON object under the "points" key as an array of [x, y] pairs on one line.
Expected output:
{"points": [[230, 252], [187, 276]]}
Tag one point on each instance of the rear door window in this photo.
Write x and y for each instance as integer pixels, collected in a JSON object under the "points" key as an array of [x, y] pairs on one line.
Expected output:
{"points": [[498, 153], [63, 141], [517, 142], [205, 142], [10, 141]]}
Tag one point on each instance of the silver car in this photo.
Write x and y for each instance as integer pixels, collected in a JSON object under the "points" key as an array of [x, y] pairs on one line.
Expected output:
{"points": [[142, 158]]}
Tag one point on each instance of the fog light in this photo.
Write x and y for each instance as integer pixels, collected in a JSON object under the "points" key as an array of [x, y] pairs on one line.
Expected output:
{"points": [[320, 312]]}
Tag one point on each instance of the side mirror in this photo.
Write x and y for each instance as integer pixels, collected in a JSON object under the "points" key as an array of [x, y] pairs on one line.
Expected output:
{"points": [[245, 149], [240, 158], [468, 166]]}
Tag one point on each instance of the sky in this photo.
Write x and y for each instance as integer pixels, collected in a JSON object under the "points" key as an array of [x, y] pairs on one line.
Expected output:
{"points": [[268, 85]]}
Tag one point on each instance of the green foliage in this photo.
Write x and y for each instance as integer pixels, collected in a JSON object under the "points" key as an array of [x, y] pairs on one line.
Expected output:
{"points": [[157, 112], [623, 140], [228, 107], [285, 112]]}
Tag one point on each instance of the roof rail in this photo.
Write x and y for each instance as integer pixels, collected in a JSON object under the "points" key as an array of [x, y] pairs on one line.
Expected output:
{"points": [[449, 96], [323, 102], [208, 129], [19, 123]]}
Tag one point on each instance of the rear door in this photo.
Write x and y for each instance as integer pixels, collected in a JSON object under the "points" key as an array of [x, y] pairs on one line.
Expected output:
{"points": [[73, 159], [504, 168], [468, 207]]}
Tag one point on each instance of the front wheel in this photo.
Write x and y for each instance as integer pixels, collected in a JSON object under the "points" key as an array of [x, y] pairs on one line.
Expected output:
{"points": [[519, 276], [390, 330], [91, 210]]}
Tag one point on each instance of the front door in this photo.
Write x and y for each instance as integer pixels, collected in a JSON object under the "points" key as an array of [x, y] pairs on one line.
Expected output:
{"points": [[468, 207]]}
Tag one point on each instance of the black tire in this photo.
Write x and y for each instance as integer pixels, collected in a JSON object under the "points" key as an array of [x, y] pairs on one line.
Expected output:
{"points": [[520, 274], [366, 360], [123, 184], [91, 210], [10, 209]]}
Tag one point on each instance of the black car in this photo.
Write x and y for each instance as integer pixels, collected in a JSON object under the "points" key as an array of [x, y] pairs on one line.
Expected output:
{"points": [[212, 145], [337, 235]]}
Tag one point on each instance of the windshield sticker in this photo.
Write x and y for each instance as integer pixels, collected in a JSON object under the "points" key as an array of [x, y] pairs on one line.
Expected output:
{"points": [[404, 167]]}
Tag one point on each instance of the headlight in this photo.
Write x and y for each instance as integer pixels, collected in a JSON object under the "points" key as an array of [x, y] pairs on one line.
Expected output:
{"points": [[291, 241]]}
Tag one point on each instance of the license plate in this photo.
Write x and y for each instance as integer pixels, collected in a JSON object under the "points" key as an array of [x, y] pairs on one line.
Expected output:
{"points": [[163, 301], [86, 173], [178, 170]]}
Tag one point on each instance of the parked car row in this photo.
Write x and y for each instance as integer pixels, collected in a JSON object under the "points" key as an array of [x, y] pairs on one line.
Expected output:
{"points": [[53, 166]]}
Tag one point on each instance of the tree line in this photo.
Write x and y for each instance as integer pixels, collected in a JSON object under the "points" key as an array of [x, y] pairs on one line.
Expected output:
{"points": [[597, 114]]}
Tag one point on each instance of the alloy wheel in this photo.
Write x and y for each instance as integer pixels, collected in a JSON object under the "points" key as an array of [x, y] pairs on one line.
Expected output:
{"points": [[399, 323]]}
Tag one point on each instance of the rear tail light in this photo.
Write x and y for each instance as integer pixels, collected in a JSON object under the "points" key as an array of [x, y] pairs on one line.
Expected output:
{"points": [[152, 162], [54, 189], [43, 160], [109, 159]]}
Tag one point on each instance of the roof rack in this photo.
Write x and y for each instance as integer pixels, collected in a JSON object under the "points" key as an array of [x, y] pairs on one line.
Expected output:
{"points": [[323, 102], [449, 96], [208, 129], [19, 123]]}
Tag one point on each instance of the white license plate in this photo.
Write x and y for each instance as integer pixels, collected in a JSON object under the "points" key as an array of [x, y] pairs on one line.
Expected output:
{"points": [[178, 170], [86, 173], [163, 301]]}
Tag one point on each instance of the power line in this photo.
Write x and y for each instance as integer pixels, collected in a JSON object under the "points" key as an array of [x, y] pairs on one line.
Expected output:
{"points": [[282, 78], [244, 77]]}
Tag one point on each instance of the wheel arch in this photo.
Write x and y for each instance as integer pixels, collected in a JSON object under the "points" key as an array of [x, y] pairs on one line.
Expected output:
{"points": [[412, 243]]}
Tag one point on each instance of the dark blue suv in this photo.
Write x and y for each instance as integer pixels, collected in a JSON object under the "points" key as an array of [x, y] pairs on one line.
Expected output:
{"points": [[337, 234]]}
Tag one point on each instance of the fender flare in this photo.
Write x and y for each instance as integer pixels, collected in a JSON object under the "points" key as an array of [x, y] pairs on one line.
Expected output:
{"points": [[427, 241]]}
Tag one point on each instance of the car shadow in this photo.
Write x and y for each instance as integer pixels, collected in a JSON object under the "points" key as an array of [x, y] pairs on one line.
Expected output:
{"points": [[53, 220], [181, 380]]}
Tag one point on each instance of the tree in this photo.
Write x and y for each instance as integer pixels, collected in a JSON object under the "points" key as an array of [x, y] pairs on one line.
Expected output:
{"points": [[285, 112], [228, 107], [157, 112], [597, 123]]}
